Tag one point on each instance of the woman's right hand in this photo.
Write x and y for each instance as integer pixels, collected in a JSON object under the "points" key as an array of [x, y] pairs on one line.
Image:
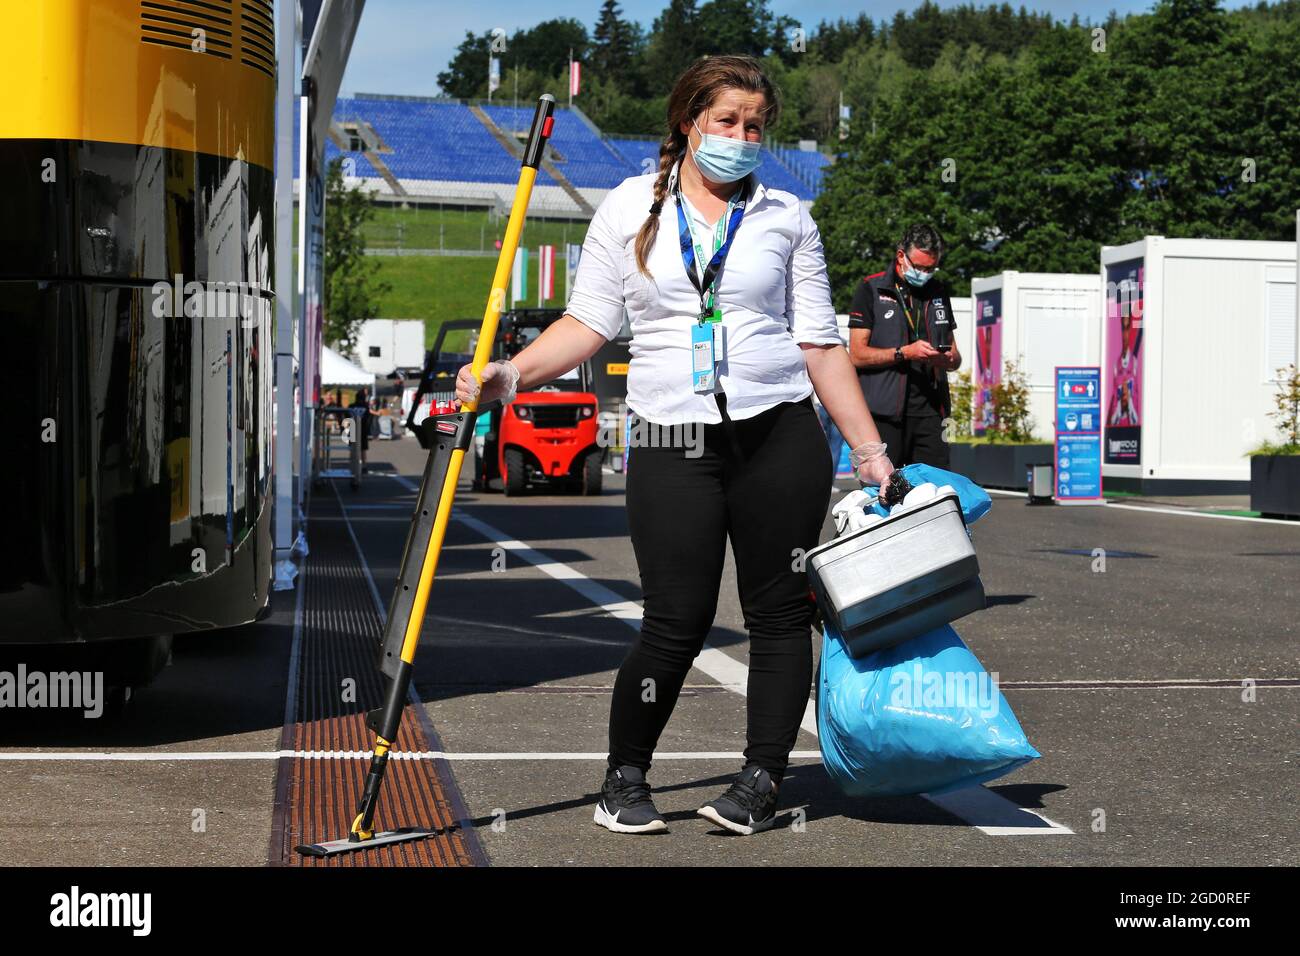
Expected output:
{"points": [[500, 380]]}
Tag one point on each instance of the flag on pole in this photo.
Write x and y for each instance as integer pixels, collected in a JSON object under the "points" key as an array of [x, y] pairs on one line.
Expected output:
{"points": [[575, 77], [545, 274], [571, 254], [519, 276], [494, 74], [844, 118]]}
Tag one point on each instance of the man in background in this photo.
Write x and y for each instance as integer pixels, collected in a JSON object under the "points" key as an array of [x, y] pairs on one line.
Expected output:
{"points": [[362, 401], [900, 339]]}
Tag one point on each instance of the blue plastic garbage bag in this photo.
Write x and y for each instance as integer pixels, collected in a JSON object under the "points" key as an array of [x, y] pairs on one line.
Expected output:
{"points": [[975, 501], [921, 717]]}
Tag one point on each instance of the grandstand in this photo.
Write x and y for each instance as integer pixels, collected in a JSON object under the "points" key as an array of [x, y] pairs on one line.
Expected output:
{"points": [[434, 150]]}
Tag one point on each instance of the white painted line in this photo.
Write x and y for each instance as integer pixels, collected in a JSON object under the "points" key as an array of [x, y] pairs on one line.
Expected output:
{"points": [[1152, 509], [1191, 683], [604, 755], [405, 483], [1202, 514], [128, 756], [151, 756], [613, 604], [991, 813], [995, 815], [722, 667]]}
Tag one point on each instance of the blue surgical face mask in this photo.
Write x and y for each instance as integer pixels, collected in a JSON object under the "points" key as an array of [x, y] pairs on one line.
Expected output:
{"points": [[725, 160], [915, 276]]}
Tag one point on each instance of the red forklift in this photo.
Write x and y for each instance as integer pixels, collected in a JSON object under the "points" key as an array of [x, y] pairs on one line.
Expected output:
{"points": [[545, 439]]}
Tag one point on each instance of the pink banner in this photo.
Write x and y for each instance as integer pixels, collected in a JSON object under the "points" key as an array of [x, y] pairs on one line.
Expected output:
{"points": [[546, 274], [988, 358], [1123, 369]]}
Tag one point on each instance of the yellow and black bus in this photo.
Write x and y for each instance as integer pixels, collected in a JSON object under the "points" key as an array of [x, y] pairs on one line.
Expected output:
{"points": [[136, 315]]}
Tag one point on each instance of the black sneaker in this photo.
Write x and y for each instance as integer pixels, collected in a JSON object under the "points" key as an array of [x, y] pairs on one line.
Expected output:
{"points": [[625, 805], [748, 806]]}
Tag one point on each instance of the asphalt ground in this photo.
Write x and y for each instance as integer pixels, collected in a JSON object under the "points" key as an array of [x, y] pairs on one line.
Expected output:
{"points": [[1127, 678]]}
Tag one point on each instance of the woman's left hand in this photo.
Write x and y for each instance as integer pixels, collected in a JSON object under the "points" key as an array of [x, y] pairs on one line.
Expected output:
{"points": [[871, 464], [875, 471]]}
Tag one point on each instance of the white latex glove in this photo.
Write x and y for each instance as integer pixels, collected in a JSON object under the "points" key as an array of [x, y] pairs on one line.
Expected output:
{"points": [[871, 463], [500, 380], [853, 502], [858, 520]]}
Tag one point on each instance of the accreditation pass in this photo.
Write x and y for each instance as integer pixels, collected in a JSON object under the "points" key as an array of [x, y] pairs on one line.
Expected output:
{"points": [[702, 356]]}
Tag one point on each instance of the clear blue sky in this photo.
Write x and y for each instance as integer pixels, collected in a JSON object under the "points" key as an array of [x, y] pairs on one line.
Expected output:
{"points": [[402, 45]]}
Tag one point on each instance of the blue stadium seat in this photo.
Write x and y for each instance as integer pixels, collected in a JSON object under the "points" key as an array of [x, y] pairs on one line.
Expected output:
{"points": [[641, 154], [809, 166], [584, 158], [434, 141], [431, 141]]}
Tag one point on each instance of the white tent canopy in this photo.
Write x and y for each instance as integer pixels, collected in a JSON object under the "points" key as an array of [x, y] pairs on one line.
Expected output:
{"points": [[338, 372]]}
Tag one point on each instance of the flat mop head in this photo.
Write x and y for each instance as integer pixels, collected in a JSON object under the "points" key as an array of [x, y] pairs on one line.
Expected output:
{"points": [[384, 838]]}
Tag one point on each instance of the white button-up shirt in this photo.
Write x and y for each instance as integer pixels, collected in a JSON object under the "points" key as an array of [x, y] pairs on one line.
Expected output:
{"points": [[773, 292]]}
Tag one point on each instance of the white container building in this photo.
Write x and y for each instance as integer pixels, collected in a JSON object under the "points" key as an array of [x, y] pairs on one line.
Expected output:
{"points": [[1193, 333], [1038, 319], [386, 344]]}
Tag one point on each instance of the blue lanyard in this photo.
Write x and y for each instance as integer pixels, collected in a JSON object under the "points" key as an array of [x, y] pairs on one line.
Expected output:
{"points": [[704, 285]]}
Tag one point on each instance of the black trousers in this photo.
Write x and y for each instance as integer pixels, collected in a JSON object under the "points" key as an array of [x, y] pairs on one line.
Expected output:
{"points": [[914, 440], [763, 482]]}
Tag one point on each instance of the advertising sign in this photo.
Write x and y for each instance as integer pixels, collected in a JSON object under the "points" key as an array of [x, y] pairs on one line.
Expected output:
{"points": [[1124, 306], [1078, 435], [988, 358]]}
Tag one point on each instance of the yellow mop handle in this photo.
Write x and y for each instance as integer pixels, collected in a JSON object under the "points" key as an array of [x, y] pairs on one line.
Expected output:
{"points": [[542, 122]]}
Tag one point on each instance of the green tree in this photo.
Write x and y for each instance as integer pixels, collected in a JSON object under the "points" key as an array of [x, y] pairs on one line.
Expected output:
{"points": [[1026, 144], [613, 43], [541, 53], [1286, 400], [672, 45], [1017, 162], [961, 391], [545, 47], [830, 42], [737, 26], [351, 287], [466, 74], [1011, 419], [617, 112]]}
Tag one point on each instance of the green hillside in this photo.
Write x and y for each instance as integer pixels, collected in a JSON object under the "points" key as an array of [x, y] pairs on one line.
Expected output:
{"points": [[432, 227], [439, 287], [436, 288]]}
